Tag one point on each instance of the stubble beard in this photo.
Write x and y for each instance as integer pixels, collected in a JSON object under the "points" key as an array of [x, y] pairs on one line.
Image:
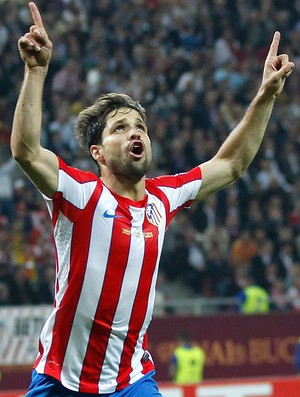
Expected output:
{"points": [[129, 168]]}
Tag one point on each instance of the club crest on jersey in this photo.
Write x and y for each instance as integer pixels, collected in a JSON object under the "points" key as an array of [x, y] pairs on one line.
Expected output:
{"points": [[153, 215]]}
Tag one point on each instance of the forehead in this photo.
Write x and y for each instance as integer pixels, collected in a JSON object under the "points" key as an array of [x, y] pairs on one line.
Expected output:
{"points": [[122, 114]]}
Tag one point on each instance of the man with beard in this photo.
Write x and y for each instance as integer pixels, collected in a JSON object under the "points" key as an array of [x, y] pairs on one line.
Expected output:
{"points": [[109, 229]]}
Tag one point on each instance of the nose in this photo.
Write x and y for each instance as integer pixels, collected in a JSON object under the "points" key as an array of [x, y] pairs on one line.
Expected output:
{"points": [[134, 133]]}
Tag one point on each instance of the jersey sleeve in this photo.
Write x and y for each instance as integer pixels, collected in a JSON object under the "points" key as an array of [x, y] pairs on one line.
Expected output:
{"points": [[75, 188], [179, 190]]}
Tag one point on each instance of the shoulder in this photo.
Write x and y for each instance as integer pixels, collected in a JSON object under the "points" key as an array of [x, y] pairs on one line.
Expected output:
{"points": [[176, 180], [78, 175]]}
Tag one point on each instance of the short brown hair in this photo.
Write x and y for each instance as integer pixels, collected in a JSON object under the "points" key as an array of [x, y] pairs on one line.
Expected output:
{"points": [[91, 121]]}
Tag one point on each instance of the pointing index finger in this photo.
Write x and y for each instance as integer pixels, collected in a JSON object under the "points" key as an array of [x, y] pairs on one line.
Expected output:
{"points": [[36, 16], [274, 45]]}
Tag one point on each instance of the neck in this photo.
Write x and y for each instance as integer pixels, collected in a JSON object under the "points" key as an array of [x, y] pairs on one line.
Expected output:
{"points": [[123, 187]]}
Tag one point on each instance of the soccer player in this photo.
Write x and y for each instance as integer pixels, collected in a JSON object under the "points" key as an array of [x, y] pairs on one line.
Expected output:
{"points": [[109, 229]]}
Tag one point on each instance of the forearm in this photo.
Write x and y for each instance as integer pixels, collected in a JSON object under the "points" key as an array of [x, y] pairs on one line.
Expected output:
{"points": [[26, 130], [242, 144]]}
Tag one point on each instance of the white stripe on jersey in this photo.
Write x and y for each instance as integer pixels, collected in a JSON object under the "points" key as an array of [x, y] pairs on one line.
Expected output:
{"points": [[63, 236]]}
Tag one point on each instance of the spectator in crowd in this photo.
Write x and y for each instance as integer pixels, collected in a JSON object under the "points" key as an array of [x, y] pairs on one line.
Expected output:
{"points": [[252, 299], [243, 249], [293, 292], [187, 362], [278, 296]]}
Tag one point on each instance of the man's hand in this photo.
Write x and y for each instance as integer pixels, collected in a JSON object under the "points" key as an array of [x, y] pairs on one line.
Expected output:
{"points": [[277, 68], [35, 47]]}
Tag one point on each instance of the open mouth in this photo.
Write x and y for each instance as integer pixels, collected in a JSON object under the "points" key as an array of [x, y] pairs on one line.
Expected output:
{"points": [[136, 150]]}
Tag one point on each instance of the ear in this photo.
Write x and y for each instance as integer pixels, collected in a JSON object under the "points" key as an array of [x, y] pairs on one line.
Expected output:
{"points": [[96, 152]]}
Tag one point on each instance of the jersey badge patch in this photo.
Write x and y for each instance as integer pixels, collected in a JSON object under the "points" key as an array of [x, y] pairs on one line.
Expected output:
{"points": [[153, 215]]}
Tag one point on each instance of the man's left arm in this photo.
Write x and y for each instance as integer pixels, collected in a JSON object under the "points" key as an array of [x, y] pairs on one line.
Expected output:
{"points": [[242, 144]]}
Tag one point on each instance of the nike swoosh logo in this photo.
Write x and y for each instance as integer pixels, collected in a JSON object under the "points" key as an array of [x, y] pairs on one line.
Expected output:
{"points": [[108, 215]]}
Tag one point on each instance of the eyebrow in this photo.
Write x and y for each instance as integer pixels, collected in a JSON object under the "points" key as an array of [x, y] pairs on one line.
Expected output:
{"points": [[125, 120]]}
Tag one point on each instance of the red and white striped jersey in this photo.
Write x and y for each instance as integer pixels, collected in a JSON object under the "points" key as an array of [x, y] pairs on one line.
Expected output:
{"points": [[107, 254]]}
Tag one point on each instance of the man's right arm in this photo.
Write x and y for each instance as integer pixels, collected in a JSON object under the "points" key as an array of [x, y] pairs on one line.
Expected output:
{"points": [[40, 164]]}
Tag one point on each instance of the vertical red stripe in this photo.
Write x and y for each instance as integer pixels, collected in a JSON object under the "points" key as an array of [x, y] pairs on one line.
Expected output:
{"points": [[65, 315], [107, 306], [147, 364], [140, 304]]}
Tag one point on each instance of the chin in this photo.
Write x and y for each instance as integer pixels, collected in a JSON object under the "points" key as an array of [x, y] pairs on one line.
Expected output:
{"points": [[137, 173], [131, 170]]}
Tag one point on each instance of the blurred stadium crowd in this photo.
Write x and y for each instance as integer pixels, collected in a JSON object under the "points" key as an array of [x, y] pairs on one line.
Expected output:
{"points": [[194, 65]]}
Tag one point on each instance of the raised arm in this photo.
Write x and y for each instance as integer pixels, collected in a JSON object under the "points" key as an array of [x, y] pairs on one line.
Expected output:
{"points": [[38, 163], [242, 144]]}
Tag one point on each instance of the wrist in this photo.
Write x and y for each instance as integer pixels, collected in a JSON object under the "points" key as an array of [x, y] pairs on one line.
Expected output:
{"points": [[38, 71], [264, 96]]}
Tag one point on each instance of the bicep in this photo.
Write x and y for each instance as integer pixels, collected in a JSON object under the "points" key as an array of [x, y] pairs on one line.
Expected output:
{"points": [[43, 171], [216, 175]]}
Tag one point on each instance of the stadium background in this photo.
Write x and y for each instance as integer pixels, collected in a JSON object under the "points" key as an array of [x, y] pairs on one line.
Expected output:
{"points": [[194, 65]]}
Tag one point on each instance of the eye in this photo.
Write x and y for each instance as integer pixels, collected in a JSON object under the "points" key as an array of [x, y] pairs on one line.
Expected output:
{"points": [[120, 128], [141, 127]]}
